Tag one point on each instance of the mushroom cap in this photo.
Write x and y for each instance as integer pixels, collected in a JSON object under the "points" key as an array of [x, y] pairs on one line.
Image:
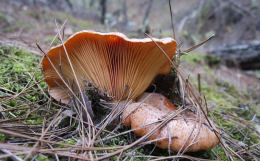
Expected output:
{"points": [[157, 100], [110, 61], [184, 127]]}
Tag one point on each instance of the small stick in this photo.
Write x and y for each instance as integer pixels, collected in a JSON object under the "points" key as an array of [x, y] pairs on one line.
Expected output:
{"points": [[206, 105], [13, 156], [173, 31], [199, 83]]}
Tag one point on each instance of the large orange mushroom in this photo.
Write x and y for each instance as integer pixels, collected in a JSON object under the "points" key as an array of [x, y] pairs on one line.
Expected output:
{"points": [[118, 65], [111, 61]]}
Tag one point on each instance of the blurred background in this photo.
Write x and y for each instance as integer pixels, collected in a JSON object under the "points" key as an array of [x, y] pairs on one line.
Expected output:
{"points": [[232, 21], [226, 70]]}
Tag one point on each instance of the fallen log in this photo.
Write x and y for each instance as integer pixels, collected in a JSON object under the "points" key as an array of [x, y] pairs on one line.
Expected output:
{"points": [[245, 55]]}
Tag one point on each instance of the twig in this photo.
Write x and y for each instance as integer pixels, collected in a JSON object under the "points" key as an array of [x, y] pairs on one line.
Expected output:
{"points": [[173, 31], [14, 157], [199, 83]]}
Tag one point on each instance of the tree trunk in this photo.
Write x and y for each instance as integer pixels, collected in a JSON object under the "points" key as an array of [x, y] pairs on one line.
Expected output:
{"points": [[147, 12], [84, 5], [69, 4], [91, 3], [103, 6], [124, 11]]}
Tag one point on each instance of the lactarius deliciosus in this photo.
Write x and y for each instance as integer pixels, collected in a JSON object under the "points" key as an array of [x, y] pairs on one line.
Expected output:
{"points": [[184, 130], [111, 61], [124, 68]]}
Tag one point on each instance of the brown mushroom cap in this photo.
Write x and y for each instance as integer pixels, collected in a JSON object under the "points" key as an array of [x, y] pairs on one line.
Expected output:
{"points": [[184, 127], [111, 61]]}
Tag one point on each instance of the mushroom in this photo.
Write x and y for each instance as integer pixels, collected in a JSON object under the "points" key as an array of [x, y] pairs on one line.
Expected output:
{"points": [[184, 130], [110, 61]]}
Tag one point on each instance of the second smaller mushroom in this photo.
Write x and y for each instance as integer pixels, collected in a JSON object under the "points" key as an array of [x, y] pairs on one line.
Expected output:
{"points": [[184, 130]]}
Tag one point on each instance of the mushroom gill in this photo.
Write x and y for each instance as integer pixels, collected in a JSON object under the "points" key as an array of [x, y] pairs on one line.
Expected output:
{"points": [[184, 130], [110, 61]]}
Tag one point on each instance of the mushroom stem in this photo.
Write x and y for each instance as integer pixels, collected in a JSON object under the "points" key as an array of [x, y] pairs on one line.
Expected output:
{"points": [[182, 133]]}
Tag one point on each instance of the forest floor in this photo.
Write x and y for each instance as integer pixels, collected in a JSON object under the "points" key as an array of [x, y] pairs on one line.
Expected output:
{"points": [[26, 107]]}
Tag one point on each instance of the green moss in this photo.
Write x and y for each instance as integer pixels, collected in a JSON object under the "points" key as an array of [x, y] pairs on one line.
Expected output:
{"points": [[13, 103], [16, 68], [43, 158], [70, 141], [16, 64], [220, 96], [193, 58], [2, 137], [219, 151], [3, 18], [212, 61], [38, 121]]}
